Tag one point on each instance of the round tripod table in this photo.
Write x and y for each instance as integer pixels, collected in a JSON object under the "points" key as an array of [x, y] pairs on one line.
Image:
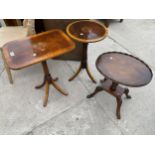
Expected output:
{"points": [[120, 68], [86, 31]]}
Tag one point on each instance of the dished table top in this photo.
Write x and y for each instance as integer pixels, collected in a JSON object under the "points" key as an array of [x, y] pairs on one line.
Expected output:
{"points": [[124, 69], [87, 31], [37, 48]]}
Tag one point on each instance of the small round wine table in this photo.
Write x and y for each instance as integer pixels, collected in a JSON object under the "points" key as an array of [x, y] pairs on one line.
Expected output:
{"points": [[120, 68], [86, 31]]}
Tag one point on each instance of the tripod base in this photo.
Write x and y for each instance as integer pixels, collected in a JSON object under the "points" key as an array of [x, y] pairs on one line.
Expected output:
{"points": [[83, 65], [48, 80], [78, 71], [113, 89]]}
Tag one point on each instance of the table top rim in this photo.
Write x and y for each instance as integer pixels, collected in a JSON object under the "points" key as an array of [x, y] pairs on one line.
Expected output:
{"points": [[86, 40], [13, 67], [131, 56]]}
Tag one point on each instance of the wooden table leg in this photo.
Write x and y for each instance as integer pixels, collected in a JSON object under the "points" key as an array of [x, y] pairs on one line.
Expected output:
{"points": [[76, 73], [119, 103], [41, 85], [83, 65], [97, 90], [56, 86], [126, 92], [90, 75], [115, 90], [47, 81], [7, 68], [46, 94]]}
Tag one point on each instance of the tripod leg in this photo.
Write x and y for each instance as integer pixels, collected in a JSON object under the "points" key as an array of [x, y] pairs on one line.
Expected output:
{"points": [[119, 103], [90, 75], [41, 85], [77, 72], [46, 93], [7, 69], [126, 92], [97, 90], [58, 88]]}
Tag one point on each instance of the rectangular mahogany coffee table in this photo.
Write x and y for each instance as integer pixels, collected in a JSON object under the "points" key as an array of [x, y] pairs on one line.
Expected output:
{"points": [[37, 49]]}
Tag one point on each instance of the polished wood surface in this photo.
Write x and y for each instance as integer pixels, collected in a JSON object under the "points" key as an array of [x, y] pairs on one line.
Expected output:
{"points": [[7, 34], [124, 69], [87, 31], [47, 81], [115, 90], [37, 48], [84, 65], [49, 24], [121, 68]]}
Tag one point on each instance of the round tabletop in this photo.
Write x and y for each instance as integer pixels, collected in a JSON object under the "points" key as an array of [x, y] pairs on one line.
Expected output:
{"points": [[124, 69], [87, 31]]}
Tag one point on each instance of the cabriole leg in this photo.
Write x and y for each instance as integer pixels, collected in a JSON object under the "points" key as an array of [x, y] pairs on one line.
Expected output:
{"points": [[97, 90]]}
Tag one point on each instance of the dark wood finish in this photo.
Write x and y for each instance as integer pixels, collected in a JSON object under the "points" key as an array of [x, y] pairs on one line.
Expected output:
{"points": [[124, 69], [47, 81], [39, 26], [86, 31], [83, 65], [113, 89], [37, 49], [120, 68], [11, 22], [48, 24]]}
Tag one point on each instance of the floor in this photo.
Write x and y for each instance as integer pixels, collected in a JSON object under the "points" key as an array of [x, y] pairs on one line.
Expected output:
{"points": [[21, 110]]}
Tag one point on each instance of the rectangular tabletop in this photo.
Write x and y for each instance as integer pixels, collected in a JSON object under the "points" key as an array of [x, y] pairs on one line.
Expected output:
{"points": [[37, 48]]}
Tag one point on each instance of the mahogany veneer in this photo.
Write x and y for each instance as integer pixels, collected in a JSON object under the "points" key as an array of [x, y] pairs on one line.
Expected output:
{"points": [[86, 31], [120, 68], [37, 49]]}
